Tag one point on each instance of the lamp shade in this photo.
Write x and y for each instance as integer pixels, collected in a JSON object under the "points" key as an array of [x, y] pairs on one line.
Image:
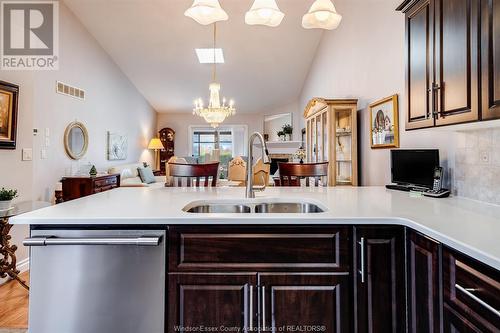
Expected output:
{"points": [[155, 143], [206, 12], [321, 15], [264, 12]]}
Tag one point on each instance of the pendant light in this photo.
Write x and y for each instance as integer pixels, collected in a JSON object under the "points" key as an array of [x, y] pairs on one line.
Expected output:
{"points": [[206, 12], [264, 12], [216, 112], [321, 15]]}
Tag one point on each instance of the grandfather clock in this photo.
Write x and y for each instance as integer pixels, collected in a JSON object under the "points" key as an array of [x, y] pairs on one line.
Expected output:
{"points": [[167, 137]]}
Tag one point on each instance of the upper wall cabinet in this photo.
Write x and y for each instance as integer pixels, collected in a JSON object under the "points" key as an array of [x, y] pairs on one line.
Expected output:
{"points": [[443, 58], [490, 58]]}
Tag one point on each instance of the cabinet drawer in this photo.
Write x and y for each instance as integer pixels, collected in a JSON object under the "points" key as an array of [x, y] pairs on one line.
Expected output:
{"points": [[105, 182], [472, 289], [265, 248]]}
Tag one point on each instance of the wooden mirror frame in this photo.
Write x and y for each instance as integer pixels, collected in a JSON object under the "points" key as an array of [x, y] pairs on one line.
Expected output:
{"points": [[70, 153]]}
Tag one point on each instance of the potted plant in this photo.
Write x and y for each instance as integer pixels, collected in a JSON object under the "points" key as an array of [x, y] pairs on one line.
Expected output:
{"points": [[6, 197], [287, 131], [281, 135]]}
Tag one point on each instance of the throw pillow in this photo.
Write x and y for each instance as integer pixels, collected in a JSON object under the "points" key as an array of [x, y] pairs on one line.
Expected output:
{"points": [[146, 175]]}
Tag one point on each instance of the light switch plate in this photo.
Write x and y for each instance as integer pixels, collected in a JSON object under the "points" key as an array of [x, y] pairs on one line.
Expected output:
{"points": [[43, 154], [27, 154], [47, 142]]}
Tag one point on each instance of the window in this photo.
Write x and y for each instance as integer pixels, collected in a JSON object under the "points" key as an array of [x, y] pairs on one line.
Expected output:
{"points": [[205, 141]]}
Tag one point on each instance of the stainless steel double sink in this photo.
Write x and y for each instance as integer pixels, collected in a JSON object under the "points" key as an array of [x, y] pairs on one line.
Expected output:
{"points": [[254, 206]]}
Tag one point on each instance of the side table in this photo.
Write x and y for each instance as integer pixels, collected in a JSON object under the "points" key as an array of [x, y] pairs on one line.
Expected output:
{"points": [[8, 259]]}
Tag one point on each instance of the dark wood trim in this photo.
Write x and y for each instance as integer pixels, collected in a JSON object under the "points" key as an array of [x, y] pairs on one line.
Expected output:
{"points": [[11, 143], [490, 107]]}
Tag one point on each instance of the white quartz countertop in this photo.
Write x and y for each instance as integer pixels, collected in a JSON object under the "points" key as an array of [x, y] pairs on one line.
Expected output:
{"points": [[468, 226]]}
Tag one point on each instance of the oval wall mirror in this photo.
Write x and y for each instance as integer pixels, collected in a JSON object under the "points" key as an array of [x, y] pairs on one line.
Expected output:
{"points": [[76, 140]]}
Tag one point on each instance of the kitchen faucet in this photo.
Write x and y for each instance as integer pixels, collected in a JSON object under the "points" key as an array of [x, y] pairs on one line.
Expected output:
{"points": [[250, 190]]}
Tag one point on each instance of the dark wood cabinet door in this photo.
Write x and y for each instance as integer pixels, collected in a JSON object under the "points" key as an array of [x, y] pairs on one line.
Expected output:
{"points": [[453, 322], [213, 301], [305, 302], [423, 283], [457, 60], [380, 281], [490, 58], [419, 62]]}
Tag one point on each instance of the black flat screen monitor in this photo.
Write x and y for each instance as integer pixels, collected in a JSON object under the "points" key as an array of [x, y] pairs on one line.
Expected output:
{"points": [[414, 166]]}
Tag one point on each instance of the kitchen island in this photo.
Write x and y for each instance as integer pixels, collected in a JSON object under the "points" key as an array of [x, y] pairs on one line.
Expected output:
{"points": [[374, 260]]}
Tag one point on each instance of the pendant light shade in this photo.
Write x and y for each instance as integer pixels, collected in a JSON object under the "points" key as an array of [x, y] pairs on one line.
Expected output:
{"points": [[321, 15], [264, 12], [206, 12]]}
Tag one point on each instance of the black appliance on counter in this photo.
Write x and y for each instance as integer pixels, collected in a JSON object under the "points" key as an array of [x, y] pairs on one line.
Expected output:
{"points": [[417, 170]]}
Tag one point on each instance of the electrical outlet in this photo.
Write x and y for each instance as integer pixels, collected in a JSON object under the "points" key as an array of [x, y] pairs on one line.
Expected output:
{"points": [[484, 156], [27, 154], [43, 154], [47, 142]]}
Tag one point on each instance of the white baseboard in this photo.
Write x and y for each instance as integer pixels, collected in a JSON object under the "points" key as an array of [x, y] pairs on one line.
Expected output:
{"points": [[22, 266]]}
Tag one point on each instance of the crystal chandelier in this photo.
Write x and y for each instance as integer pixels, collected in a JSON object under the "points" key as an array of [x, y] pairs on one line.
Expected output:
{"points": [[216, 112]]}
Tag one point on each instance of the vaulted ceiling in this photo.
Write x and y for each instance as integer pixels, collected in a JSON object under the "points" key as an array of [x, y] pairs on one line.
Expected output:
{"points": [[153, 43]]}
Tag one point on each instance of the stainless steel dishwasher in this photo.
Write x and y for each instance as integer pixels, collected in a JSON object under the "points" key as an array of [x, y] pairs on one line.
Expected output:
{"points": [[97, 281]]}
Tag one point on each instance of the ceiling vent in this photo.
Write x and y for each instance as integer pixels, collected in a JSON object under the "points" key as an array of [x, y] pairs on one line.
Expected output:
{"points": [[71, 91]]}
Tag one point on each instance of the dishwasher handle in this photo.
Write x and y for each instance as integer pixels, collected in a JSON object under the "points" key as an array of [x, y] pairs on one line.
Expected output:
{"points": [[50, 240]]}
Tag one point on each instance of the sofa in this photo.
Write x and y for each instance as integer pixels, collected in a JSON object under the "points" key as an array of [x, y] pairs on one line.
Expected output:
{"points": [[129, 176]]}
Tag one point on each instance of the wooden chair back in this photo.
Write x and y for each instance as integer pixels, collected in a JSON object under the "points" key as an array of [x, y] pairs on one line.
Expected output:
{"points": [[236, 170], [193, 174], [261, 173], [291, 173]]}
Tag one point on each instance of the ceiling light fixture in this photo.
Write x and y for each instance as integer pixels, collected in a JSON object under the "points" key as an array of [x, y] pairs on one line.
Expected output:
{"points": [[264, 12], [206, 12], [216, 112], [321, 15]]}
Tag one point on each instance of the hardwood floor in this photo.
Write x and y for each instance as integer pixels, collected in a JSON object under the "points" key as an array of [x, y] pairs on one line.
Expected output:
{"points": [[14, 305]]}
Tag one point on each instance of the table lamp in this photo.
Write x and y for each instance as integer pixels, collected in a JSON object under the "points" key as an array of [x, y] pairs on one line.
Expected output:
{"points": [[157, 145]]}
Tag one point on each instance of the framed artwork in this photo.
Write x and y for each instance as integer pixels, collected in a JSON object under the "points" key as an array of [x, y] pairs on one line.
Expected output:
{"points": [[9, 95], [384, 123], [117, 146]]}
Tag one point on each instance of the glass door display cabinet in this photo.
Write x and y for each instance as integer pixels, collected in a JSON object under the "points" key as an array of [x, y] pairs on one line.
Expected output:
{"points": [[331, 135]]}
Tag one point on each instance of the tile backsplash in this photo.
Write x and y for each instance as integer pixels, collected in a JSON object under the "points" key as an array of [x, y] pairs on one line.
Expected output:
{"points": [[477, 165]]}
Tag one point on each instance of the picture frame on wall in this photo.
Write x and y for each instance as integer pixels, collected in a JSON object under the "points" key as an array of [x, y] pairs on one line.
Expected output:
{"points": [[9, 96], [384, 123]]}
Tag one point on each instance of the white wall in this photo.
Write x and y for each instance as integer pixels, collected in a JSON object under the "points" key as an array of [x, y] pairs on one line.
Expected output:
{"points": [[112, 103], [364, 59]]}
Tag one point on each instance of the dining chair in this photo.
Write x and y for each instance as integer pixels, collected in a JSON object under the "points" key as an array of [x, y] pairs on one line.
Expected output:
{"points": [[191, 175], [261, 173], [173, 159], [236, 170], [291, 173]]}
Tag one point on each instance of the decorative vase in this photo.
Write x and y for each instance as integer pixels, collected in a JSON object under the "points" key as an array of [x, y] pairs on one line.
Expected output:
{"points": [[301, 161], [5, 204]]}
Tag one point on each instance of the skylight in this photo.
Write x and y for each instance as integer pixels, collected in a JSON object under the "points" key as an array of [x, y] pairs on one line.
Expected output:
{"points": [[206, 56]]}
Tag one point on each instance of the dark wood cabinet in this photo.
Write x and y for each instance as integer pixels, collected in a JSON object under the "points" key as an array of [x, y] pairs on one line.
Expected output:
{"points": [[457, 61], [471, 294], [167, 138], [77, 187], [293, 302], [211, 301], [443, 61], [250, 248], [380, 281], [423, 289], [490, 58], [419, 73]]}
